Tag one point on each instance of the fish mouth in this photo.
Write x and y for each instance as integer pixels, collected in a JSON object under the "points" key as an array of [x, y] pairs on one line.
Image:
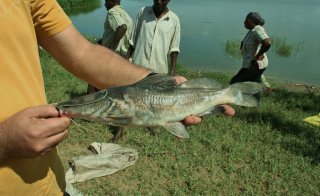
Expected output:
{"points": [[65, 109]]}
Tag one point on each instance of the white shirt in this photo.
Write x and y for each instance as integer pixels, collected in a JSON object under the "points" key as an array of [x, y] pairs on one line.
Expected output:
{"points": [[251, 46], [153, 40], [116, 17]]}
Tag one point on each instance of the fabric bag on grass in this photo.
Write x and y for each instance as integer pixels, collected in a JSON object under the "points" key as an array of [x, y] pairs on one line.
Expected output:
{"points": [[108, 159]]}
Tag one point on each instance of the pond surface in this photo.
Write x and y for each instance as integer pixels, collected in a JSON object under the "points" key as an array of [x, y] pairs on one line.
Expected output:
{"points": [[206, 25]]}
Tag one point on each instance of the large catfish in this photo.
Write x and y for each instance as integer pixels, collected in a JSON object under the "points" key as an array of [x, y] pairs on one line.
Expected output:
{"points": [[158, 101]]}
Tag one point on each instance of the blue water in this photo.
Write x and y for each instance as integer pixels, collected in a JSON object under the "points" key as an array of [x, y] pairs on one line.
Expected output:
{"points": [[207, 24]]}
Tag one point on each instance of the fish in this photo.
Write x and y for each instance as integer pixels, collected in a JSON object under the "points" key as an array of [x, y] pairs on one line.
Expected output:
{"points": [[158, 101]]}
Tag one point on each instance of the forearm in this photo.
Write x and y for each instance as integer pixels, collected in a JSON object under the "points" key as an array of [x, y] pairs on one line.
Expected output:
{"points": [[130, 52], [172, 68], [263, 50], [94, 64], [265, 46], [120, 32], [103, 68]]}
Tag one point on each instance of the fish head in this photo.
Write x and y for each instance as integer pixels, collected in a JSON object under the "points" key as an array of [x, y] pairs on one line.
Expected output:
{"points": [[83, 107]]}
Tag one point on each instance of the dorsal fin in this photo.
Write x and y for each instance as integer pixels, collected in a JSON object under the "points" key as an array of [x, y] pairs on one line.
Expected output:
{"points": [[157, 80], [201, 83]]}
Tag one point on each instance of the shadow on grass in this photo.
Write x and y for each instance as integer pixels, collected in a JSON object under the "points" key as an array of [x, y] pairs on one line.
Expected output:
{"points": [[309, 102], [305, 140], [306, 137]]}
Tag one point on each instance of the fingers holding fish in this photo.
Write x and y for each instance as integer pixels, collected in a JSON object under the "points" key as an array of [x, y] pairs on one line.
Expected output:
{"points": [[34, 131], [227, 110], [192, 120], [180, 79]]}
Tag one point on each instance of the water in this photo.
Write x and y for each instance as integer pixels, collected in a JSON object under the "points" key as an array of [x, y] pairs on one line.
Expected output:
{"points": [[206, 25]]}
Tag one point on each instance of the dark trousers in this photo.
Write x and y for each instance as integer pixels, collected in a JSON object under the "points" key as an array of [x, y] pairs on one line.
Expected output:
{"points": [[252, 74]]}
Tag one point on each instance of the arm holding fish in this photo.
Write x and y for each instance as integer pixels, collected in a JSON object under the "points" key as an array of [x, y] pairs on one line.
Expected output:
{"points": [[106, 69], [32, 132], [94, 64]]}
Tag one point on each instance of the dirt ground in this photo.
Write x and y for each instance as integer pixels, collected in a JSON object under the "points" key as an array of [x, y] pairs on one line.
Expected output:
{"points": [[303, 88]]}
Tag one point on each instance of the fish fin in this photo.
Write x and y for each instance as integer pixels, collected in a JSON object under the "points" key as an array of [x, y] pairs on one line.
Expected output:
{"points": [[177, 129], [157, 80], [243, 93], [215, 110], [201, 83], [114, 120]]}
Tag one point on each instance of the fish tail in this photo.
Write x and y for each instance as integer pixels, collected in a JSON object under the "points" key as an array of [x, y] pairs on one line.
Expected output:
{"points": [[243, 93]]}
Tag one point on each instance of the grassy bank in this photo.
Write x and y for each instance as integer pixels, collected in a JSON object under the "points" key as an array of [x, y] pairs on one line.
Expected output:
{"points": [[265, 150]]}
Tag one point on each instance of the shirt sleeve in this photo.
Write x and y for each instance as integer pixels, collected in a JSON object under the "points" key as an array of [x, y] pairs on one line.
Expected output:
{"points": [[260, 33], [48, 17], [115, 20]]}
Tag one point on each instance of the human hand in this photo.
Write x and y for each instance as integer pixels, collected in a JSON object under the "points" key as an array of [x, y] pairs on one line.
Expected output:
{"points": [[32, 132], [194, 120], [259, 57]]}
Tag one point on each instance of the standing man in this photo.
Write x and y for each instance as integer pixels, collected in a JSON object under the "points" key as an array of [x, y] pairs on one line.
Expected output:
{"points": [[155, 38], [117, 28], [117, 31]]}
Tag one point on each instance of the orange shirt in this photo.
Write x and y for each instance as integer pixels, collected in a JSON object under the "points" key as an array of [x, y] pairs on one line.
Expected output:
{"points": [[21, 86]]}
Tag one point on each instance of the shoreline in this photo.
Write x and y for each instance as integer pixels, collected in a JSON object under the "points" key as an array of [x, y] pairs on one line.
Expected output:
{"points": [[275, 83], [232, 72], [300, 87]]}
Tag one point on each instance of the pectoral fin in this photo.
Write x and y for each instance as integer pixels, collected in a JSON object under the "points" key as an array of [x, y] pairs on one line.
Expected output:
{"points": [[177, 129], [215, 110]]}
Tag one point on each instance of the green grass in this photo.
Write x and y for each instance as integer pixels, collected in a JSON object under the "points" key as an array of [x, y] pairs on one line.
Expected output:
{"points": [[267, 150]]}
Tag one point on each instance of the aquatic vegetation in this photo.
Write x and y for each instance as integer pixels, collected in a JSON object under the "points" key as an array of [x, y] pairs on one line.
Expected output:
{"points": [[285, 49], [76, 7], [232, 48], [280, 46]]}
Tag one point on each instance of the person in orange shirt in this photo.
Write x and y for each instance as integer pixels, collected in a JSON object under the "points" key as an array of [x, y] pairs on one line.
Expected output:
{"points": [[30, 129]]}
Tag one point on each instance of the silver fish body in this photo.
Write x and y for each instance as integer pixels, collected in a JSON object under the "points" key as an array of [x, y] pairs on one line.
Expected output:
{"points": [[158, 101]]}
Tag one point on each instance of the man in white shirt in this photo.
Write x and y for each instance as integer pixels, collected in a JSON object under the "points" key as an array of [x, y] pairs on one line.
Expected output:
{"points": [[155, 38], [117, 28], [117, 31]]}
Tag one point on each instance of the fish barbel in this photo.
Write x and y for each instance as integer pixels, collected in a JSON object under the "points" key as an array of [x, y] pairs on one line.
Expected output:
{"points": [[158, 101]]}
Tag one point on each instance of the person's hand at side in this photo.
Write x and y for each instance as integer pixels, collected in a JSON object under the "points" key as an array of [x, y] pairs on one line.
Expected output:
{"points": [[32, 132], [194, 120]]}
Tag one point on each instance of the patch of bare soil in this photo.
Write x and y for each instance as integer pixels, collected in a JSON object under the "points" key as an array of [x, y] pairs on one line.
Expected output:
{"points": [[301, 88]]}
